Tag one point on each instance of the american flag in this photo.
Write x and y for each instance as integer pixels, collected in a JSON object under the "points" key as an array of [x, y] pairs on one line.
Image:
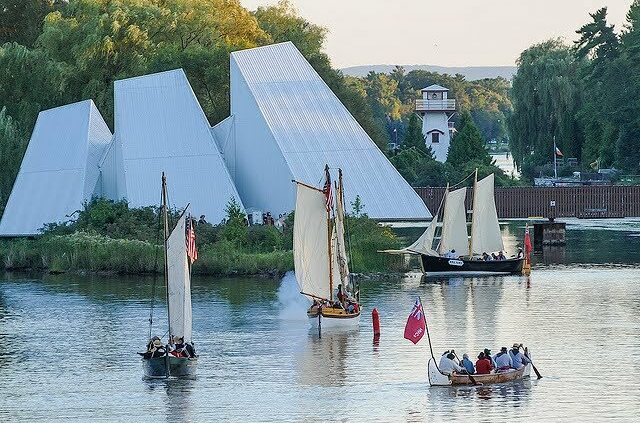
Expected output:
{"points": [[326, 189], [192, 251]]}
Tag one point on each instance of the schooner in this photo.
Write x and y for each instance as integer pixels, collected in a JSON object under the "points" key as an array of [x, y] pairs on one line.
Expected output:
{"points": [[485, 237], [177, 358], [320, 254]]}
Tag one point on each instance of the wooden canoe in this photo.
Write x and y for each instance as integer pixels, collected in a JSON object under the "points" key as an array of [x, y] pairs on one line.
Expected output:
{"points": [[499, 377]]}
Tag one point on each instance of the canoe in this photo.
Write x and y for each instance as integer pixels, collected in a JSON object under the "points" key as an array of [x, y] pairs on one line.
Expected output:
{"points": [[438, 379], [182, 367]]}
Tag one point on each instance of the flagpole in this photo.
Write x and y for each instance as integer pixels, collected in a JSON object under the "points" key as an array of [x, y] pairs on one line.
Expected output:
{"points": [[555, 159], [426, 326]]}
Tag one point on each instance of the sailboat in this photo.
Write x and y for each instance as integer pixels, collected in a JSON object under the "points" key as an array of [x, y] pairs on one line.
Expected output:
{"points": [[485, 236], [177, 358], [320, 255]]}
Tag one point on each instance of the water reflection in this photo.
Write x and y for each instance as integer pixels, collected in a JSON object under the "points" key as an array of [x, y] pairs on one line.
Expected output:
{"points": [[323, 361]]}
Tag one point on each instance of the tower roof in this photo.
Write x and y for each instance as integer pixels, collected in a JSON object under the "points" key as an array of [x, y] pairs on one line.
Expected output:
{"points": [[435, 87]]}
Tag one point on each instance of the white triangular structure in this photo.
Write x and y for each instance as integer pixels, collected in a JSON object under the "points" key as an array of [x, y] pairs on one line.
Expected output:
{"points": [[179, 283], [59, 171], [160, 127], [485, 229], [287, 124]]}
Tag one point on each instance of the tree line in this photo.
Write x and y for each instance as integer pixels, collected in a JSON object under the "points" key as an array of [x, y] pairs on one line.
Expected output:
{"points": [[584, 95]]}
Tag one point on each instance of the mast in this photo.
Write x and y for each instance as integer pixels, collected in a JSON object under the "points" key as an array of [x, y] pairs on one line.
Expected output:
{"points": [[165, 216], [328, 184], [473, 209]]}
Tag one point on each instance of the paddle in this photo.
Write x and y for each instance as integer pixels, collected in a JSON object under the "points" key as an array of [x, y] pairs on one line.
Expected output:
{"points": [[526, 353], [468, 375]]}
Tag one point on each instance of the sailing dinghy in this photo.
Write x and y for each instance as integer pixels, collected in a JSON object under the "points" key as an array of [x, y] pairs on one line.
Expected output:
{"points": [[320, 255], [177, 358], [485, 236]]}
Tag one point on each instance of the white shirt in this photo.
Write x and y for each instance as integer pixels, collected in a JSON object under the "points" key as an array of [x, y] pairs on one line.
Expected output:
{"points": [[448, 366], [503, 361]]}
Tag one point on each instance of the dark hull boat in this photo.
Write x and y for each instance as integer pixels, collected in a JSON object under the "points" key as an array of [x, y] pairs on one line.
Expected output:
{"points": [[443, 265], [156, 368]]}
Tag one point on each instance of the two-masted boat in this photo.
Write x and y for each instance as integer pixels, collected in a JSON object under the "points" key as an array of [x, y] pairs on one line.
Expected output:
{"points": [[457, 252], [320, 255], [177, 358]]}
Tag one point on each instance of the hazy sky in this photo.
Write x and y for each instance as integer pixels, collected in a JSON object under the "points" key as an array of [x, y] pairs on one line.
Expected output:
{"points": [[444, 32]]}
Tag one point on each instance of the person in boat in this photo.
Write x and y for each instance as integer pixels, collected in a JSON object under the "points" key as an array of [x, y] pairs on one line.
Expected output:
{"points": [[501, 256], [451, 254], [467, 364], [342, 296], [179, 348], [503, 360], [155, 349], [520, 253], [487, 355], [518, 360], [486, 257], [483, 364], [448, 366], [493, 256]]}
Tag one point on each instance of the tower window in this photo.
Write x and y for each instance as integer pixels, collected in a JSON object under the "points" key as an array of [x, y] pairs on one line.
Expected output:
{"points": [[435, 138]]}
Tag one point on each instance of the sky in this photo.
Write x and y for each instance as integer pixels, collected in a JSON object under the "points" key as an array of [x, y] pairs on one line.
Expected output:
{"points": [[445, 32]]}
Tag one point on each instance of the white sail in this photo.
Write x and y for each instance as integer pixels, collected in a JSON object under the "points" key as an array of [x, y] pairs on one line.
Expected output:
{"points": [[424, 244], [310, 242], [179, 283], [454, 223], [485, 230], [340, 248]]}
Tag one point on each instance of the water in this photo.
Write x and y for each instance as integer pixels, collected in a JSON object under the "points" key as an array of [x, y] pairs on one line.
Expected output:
{"points": [[68, 343]]}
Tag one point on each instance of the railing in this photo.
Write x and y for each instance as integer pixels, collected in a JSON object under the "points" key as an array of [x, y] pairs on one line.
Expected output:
{"points": [[436, 105], [583, 202]]}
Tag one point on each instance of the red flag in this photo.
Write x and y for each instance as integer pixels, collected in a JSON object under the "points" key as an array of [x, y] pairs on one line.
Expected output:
{"points": [[416, 325], [326, 189], [528, 248], [192, 251]]}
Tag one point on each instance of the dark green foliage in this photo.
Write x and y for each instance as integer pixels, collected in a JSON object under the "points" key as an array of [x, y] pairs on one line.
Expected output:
{"points": [[235, 227], [584, 95], [21, 20], [413, 137], [12, 148]]}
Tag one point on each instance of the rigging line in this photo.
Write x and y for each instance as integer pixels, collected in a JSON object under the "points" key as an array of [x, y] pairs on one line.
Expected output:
{"points": [[460, 183]]}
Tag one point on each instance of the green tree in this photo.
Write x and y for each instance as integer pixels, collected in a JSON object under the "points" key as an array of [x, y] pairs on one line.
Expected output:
{"points": [[12, 148], [546, 97], [235, 227], [21, 20], [413, 137]]}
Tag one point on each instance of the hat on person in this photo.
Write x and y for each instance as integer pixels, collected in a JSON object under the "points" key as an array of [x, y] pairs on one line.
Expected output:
{"points": [[503, 349], [487, 351], [179, 340], [516, 345], [465, 355], [157, 342]]}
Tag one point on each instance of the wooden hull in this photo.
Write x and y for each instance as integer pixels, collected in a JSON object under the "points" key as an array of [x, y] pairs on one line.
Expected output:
{"points": [[443, 265], [156, 368], [438, 379], [330, 317]]}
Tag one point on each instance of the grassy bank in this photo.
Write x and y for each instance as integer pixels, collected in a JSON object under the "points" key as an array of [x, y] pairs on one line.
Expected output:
{"points": [[113, 238]]}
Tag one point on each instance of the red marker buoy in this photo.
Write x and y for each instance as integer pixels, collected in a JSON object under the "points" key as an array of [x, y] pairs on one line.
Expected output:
{"points": [[375, 318]]}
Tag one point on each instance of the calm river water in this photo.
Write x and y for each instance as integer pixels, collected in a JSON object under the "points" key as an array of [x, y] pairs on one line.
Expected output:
{"points": [[67, 345]]}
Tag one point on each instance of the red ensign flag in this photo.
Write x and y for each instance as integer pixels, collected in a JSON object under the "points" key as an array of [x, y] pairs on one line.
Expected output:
{"points": [[528, 248], [416, 325]]}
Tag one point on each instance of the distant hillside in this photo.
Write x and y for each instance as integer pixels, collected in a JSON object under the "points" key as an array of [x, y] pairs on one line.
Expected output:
{"points": [[470, 72]]}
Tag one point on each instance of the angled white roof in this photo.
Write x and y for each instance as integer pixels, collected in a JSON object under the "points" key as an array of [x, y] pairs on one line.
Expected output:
{"points": [[435, 87], [286, 115], [160, 127], [59, 170]]}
